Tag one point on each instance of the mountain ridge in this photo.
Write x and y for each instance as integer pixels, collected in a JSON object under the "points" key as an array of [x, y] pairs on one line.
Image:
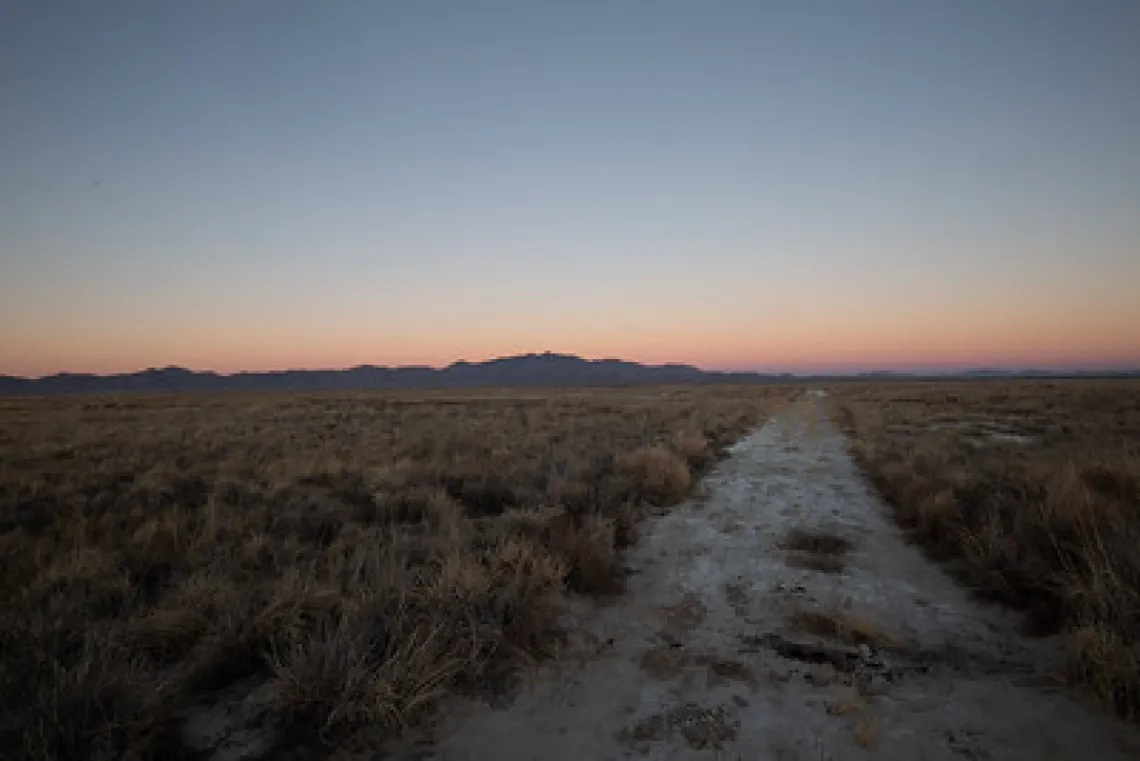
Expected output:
{"points": [[520, 370], [532, 369]]}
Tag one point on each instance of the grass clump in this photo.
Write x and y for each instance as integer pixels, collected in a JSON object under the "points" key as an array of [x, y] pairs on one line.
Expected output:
{"points": [[848, 627], [658, 474]]}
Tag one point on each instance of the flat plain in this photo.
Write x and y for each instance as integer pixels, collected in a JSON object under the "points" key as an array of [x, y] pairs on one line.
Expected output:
{"points": [[347, 559], [336, 567], [1029, 492]]}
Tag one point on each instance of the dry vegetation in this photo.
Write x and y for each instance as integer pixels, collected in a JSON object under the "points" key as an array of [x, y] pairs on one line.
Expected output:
{"points": [[1030, 490], [816, 550], [357, 556], [845, 626]]}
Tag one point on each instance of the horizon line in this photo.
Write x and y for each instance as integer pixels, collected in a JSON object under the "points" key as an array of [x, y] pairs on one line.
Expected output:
{"points": [[932, 367]]}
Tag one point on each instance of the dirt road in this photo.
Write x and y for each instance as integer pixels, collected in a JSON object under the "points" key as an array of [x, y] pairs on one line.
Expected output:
{"points": [[780, 615]]}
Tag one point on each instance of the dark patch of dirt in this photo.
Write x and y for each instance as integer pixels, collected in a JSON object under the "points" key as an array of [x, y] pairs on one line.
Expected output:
{"points": [[810, 562], [817, 542], [664, 662], [721, 669], [894, 662], [737, 597], [685, 615]]}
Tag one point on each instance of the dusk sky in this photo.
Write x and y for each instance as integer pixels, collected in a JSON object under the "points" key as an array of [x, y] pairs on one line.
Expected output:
{"points": [[227, 185]]}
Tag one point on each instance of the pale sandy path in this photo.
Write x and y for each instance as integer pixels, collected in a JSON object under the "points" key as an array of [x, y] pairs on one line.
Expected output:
{"points": [[687, 664]]}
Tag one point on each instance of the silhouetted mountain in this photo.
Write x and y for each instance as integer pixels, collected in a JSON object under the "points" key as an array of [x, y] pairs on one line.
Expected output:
{"points": [[989, 373], [884, 374], [546, 369], [1036, 372]]}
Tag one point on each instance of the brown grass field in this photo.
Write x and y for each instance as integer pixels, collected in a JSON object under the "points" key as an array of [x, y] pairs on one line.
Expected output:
{"points": [[357, 555], [1030, 492]]}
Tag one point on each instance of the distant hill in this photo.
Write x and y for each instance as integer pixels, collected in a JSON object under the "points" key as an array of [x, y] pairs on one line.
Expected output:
{"points": [[987, 373], [547, 369]]}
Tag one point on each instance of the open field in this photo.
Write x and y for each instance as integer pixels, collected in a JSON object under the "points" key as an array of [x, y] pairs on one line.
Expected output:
{"points": [[342, 560], [784, 616], [1030, 492], [330, 566]]}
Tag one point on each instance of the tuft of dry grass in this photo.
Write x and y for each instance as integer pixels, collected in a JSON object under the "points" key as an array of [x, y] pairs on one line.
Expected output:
{"points": [[354, 556], [693, 448], [866, 730], [1030, 490], [816, 550], [848, 627], [661, 475], [864, 726]]}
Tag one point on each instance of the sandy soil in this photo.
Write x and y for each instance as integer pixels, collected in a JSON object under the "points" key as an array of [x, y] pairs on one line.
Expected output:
{"points": [[721, 648]]}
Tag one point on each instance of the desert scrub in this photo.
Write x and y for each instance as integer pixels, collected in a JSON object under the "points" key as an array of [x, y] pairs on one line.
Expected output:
{"points": [[1031, 490], [349, 557]]}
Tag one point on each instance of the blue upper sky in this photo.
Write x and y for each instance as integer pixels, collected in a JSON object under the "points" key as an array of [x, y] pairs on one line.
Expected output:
{"points": [[740, 184]]}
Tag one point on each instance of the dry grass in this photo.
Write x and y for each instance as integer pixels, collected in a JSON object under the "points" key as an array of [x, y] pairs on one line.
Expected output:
{"points": [[356, 555], [866, 730], [848, 627], [816, 542], [1030, 490], [816, 550], [662, 473], [864, 726], [686, 614]]}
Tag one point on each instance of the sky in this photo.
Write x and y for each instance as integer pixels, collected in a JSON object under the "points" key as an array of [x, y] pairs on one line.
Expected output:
{"points": [[750, 185]]}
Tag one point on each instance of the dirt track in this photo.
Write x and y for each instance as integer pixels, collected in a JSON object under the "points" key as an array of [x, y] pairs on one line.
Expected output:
{"points": [[749, 631]]}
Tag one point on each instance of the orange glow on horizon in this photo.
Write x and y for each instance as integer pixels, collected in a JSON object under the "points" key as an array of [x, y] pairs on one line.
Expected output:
{"points": [[883, 335], [783, 354]]}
